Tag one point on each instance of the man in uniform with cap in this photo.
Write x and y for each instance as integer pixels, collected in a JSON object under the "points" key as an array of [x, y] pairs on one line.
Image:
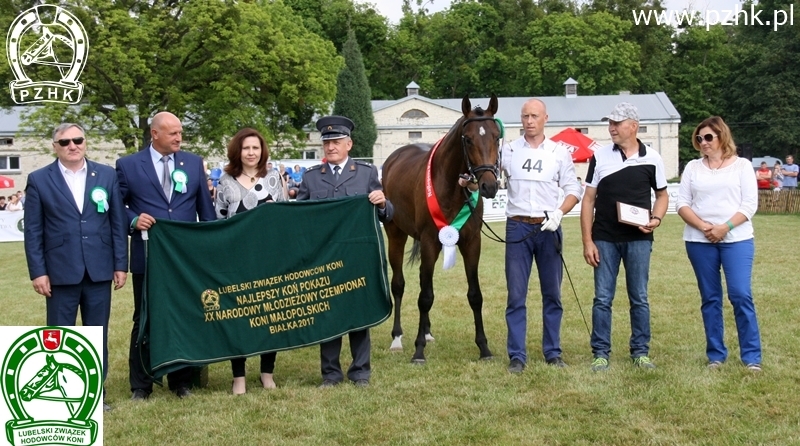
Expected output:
{"points": [[342, 176], [621, 175]]}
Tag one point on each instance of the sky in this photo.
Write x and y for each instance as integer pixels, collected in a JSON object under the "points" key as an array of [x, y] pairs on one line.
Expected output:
{"points": [[391, 8]]}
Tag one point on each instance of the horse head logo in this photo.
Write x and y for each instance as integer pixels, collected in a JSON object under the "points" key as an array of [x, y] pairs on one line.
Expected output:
{"points": [[52, 382], [61, 43]]}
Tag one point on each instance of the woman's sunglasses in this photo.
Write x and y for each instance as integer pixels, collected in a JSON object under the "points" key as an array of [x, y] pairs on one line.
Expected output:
{"points": [[708, 137], [65, 142]]}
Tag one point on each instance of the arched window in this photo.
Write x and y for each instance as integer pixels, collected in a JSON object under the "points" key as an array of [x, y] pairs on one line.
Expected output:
{"points": [[415, 114]]}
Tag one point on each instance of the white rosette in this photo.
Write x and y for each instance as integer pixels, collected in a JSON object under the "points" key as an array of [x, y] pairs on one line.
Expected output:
{"points": [[179, 178], [448, 236], [99, 197]]}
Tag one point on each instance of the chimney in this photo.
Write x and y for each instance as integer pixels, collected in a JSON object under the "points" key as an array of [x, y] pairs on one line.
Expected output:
{"points": [[412, 89], [571, 88]]}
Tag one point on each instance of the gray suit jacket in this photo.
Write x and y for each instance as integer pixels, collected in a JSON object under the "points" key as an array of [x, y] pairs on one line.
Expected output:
{"points": [[358, 178]]}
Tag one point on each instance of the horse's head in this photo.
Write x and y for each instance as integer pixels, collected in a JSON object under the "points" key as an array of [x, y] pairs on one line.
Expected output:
{"points": [[480, 141]]}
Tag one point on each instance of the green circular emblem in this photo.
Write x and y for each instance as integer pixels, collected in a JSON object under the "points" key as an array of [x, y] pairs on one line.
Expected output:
{"points": [[99, 195], [52, 381], [179, 176]]}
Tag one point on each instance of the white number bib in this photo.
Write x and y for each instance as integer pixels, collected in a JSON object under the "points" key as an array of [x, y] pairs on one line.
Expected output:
{"points": [[534, 165]]}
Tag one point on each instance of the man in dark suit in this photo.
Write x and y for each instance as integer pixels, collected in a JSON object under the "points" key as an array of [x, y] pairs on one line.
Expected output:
{"points": [[76, 239], [342, 176], [160, 182]]}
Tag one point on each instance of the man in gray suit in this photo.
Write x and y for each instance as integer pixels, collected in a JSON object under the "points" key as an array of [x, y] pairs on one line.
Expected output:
{"points": [[342, 176]]}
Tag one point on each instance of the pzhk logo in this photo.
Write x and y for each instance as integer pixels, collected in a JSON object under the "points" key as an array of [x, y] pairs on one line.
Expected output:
{"points": [[52, 39], [52, 383]]}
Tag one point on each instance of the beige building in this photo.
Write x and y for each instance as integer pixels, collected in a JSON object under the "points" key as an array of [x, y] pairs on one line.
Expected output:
{"points": [[417, 119], [410, 119]]}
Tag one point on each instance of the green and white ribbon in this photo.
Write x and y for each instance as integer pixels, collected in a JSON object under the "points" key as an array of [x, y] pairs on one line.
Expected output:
{"points": [[448, 235], [99, 197], [180, 179]]}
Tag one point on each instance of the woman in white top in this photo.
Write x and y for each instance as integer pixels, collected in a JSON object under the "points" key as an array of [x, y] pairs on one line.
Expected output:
{"points": [[14, 204], [718, 198], [246, 184]]}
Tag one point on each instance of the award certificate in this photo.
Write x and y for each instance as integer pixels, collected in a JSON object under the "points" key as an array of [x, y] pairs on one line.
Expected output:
{"points": [[632, 215]]}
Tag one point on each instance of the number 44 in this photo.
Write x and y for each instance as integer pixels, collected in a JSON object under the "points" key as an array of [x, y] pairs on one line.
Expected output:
{"points": [[537, 167]]}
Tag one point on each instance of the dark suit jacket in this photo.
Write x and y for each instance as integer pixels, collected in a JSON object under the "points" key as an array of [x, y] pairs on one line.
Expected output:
{"points": [[358, 178], [142, 193], [64, 242]]}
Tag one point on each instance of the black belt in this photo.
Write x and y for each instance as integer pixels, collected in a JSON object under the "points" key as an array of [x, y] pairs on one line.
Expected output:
{"points": [[528, 220]]}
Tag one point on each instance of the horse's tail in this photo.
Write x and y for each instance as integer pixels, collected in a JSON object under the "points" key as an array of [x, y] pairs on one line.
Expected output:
{"points": [[414, 255]]}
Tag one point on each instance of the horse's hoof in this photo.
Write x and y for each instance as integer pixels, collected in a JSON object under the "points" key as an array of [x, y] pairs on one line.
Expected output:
{"points": [[429, 337], [397, 344], [417, 361], [487, 358]]}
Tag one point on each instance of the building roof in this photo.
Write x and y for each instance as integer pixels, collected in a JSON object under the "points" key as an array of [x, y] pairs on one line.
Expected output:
{"points": [[10, 121], [562, 110]]}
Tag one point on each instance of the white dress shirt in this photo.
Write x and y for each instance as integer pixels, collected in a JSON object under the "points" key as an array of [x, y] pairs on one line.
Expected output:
{"points": [[76, 181], [535, 175]]}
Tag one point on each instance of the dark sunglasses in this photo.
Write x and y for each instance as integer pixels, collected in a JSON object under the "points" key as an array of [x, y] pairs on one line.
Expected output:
{"points": [[65, 142], [708, 137]]}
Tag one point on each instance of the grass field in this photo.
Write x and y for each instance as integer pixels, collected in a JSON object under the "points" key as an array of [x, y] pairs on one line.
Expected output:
{"points": [[456, 399]]}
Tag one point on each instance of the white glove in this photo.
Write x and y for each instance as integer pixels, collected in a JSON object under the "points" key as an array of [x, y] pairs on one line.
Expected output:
{"points": [[553, 221]]}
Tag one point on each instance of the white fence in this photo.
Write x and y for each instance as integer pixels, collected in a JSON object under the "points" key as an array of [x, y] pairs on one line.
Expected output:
{"points": [[11, 226], [11, 223], [495, 209]]}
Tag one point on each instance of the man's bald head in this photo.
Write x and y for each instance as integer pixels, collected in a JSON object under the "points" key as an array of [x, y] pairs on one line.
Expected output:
{"points": [[163, 117], [167, 132], [533, 118], [538, 102]]}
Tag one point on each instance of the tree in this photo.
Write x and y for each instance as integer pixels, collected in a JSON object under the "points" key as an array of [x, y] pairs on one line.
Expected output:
{"points": [[696, 78], [333, 19], [589, 48], [654, 40], [353, 99], [762, 92], [219, 66]]}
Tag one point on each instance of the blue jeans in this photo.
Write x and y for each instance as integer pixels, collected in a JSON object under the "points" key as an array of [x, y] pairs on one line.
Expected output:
{"points": [[636, 258], [541, 246], [736, 260]]}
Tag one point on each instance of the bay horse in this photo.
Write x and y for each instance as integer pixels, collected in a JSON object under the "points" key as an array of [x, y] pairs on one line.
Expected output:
{"points": [[470, 146]]}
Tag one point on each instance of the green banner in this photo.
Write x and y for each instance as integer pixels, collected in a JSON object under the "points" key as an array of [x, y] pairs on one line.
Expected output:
{"points": [[280, 276]]}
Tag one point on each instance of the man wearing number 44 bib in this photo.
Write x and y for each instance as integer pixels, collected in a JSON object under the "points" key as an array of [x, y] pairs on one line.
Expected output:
{"points": [[536, 168], [618, 188], [76, 239], [159, 182]]}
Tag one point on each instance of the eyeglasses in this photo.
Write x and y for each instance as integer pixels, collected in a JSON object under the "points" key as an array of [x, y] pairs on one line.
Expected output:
{"points": [[65, 142], [708, 137]]}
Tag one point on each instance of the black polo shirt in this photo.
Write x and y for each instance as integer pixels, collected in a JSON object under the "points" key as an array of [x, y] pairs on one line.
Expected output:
{"points": [[630, 181]]}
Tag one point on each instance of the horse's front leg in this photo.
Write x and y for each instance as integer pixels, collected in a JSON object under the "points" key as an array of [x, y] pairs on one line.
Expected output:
{"points": [[397, 244], [430, 253], [471, 253]]}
